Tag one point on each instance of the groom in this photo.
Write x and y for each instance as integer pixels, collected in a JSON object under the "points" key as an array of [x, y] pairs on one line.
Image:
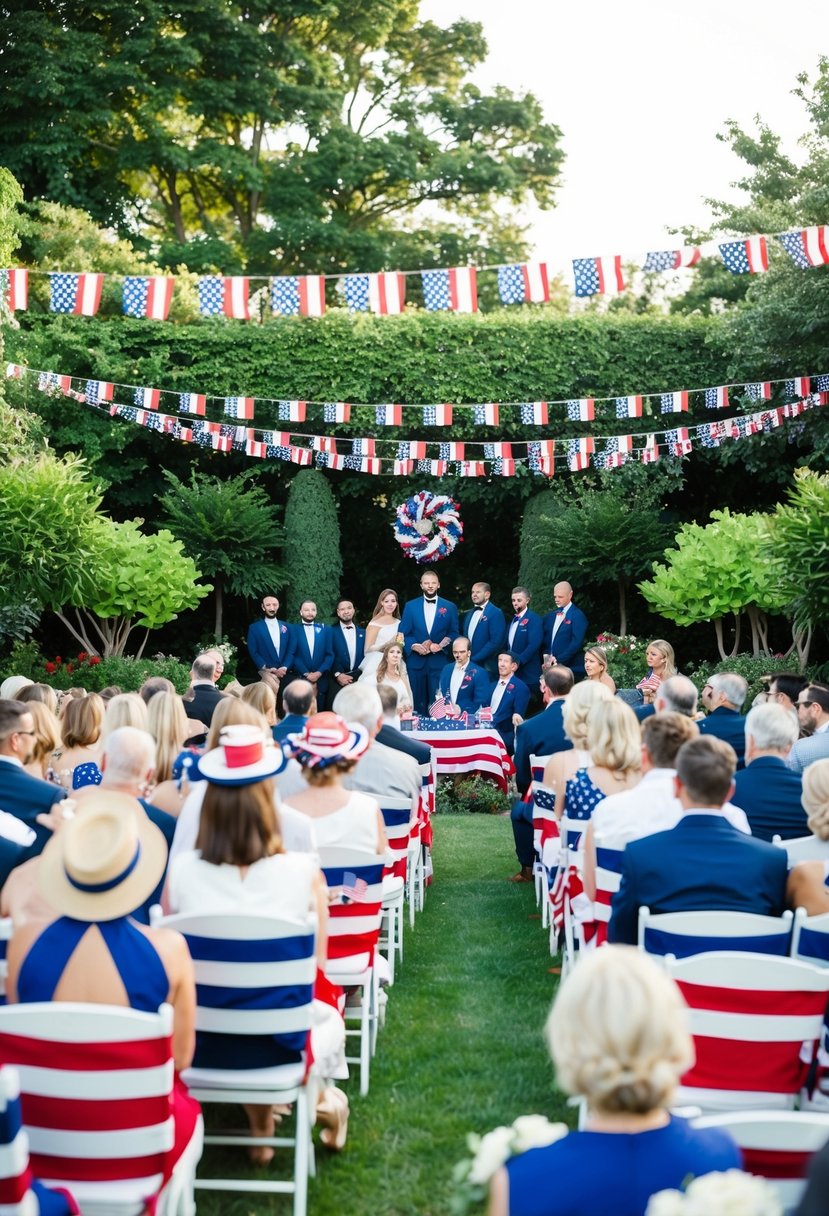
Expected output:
{"points": [[429, 626]]}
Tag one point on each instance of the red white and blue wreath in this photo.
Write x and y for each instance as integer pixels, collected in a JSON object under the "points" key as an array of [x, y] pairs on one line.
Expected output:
{"points": [[428, 526]]}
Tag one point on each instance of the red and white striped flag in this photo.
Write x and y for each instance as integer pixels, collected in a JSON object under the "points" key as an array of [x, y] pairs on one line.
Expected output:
{"points": [[192, 403], [452, 451], [301, 456], [222, 443], [436, 468], [147, 296], [323, 443], [472, 468], [650, 452], [485, 414], [387, 293], [253, 447], [440, 708], [534, 413], [18, 297], [369, 464], [239, 407], [235, 302], [336, 411], [505, 469], [578, 453], [14, 371], [402, 468], [389, 415], [581, 409], [498, 451], [437, 415], [311, 295], [800, 386], [148, 398], [628, 407], [674, 403], [335, 461]]}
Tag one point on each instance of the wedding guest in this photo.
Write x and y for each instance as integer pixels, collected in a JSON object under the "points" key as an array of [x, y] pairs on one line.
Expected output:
{"points": [[595, 667], [80, 749], [39, 692], [46, 739]]}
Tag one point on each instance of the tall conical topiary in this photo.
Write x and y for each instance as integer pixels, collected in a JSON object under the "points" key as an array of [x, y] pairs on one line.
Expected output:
{"points": [[313, 564]]}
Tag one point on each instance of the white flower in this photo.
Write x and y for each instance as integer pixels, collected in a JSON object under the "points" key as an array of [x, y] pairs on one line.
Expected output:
{"points": [[535, 1131], [732, 1193], [493, 1151], [666, 1203]]}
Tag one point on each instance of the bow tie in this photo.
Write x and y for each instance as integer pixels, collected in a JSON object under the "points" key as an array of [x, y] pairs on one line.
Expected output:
{"points": [[518, 616], [561, 612], [432, 600], [348, 626]]}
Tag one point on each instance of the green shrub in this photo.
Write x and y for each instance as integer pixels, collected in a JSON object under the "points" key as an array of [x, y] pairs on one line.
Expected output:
{"points": [[92, 673], [625, 658], [752, 669], [470, 795]]}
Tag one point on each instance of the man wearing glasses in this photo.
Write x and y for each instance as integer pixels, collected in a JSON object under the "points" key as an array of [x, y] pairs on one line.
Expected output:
{"points": [[813, 715], [21, 794]]}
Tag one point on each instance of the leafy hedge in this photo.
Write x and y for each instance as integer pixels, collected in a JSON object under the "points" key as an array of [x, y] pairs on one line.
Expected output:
{"points": [[90, 672]]}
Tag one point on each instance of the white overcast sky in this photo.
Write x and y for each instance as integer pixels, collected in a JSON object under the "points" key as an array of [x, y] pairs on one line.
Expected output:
{"points": [[640, 89]]}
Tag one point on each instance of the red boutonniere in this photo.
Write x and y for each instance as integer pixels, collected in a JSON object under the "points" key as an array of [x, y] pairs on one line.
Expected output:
{"points": [[441, 612], [284, 628], [523, 623], [466, 679], [510, 687], [567, 621]]}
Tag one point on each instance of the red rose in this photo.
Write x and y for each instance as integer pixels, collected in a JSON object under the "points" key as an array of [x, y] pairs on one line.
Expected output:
{"points": [[82, 656], [50, 668], [69, 669], [58, 660], [94, 659]]}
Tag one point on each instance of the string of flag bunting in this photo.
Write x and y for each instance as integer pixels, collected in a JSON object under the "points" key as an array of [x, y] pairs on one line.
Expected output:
{"points": [[469, 458], [452, 289]]}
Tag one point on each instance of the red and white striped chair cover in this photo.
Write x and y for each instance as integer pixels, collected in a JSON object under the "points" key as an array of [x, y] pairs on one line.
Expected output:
{"points": [[20, 1193], [776, 1145], [756, 1021], [97, 1099], [608, 878], [397, 814], [353, 934]]}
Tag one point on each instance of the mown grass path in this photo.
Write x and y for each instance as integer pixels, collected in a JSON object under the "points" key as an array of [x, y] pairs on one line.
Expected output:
{"points": [[462, 1048]]}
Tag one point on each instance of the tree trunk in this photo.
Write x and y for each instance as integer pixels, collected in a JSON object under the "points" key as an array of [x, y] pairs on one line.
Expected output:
{"points": [[759, 630], [623, 614], [217, 626], [802, 642], [738, 626], [719, 633], [140, 650]]}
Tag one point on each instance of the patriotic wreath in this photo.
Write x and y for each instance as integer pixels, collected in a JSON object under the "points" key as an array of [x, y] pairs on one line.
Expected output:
{"points": [[428, 526]]}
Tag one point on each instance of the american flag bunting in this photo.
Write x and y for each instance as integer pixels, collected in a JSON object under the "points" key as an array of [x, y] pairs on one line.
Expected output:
{"points": [[336, 411], [437, 415], [239, 407], [75, 293], [192, 403], [383, 294], [581, 409], [451, 451], [411, 450], [673, 403], [750, 256], [147, 296], [298, 295], [598, 276], [388, 415], [808, 247], [534, 413], [324, 443], [716, 398], [800, 386], [679, 441], [301, 456], [471, 468], [579, 452], [147, 398], [226, 296], [99, 390], [760, 391], [402, 468], [503, 468], [291, 411], [650, 452], [452, 290], [524, 283], [672, 259], [628, 407], [16, 289], [485, 414]]}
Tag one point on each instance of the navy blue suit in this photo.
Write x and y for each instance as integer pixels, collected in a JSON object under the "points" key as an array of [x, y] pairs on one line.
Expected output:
{"points": [[539, 736], [567, 647], [490, 636], [424, 669], [703, 864], [769, 792], [526, 646], [515, 700], [474, 689], [402, 742], [166, 824], [340, 659], [729, 725], [262, 650], [321, 658], [26, 797], [291, 724]]}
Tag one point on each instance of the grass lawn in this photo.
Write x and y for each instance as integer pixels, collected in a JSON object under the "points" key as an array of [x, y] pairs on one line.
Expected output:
{"points": [[461, 1049]]}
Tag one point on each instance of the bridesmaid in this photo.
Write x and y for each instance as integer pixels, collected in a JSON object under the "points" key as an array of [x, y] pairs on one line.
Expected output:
{"points": [[382, 629]]}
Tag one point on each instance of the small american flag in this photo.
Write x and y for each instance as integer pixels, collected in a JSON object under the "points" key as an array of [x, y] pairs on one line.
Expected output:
{"points": [[581, 409], [437, 415], [673, 403], [761, 391], [672, 259], [147, 296], [440, 708], [716, 398], [485, 414], [808, 247], [336, 411], [525, 283], [303, 295], [800, 386], [75, 293], [628, 407], [354, 889], [291, 411], [227, 296], [598, 276], [451, 451]]}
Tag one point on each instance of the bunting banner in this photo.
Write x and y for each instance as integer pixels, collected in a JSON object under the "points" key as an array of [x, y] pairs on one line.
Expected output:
{"points": [[76, 293], [746, 257], [224, 296], [454, 290], [15, 285], [808, 247], [525, 283], [148, 297]]}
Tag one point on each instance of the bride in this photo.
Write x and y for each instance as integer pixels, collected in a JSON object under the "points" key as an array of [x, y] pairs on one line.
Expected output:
{"points": [[391, 670], [382, 629]]}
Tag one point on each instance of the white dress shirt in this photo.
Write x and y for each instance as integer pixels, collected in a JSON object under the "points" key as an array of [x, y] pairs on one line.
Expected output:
{"points": [[474, 620], [275, 630], [350, 635], [455, 681], [429, 610], [649, 807], [514, 626], [560, 615]]}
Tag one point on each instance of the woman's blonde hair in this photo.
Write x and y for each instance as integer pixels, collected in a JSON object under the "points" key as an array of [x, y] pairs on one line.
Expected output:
{"points": [[378, 607], [383, 665], [667, 651], [167, 723], [47, 731], [127, 709], [577, 707], [815, 797], [262, 697], [82, 720], [618, 1032], [233, 711], [614, 737], [600, 654]]}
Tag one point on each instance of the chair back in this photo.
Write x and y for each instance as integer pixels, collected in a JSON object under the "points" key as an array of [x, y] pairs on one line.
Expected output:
{"points": [[397, 813], [15, 1174], [354, 917], [254, 987], [96, 1084], [803, 848], [683, 934], [756, 1021], [608, 878], [810, 938], [546, 833], [537, 766], [6, 930], [776, 1145]]}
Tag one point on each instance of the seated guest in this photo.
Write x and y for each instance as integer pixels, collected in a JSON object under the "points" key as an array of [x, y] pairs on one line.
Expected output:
{"points": [[390, 733], [676, 695], [659, 657], [614, 746], [240, 865], [39, 692], [807, 879], [297, 701], [813, 716], [46, 739], [154, 684], [508, 699], [75, 762], [379, 770], [95, 870], [704, 863], [767, 789], [595, 666], [723, 698], [462, 683], [21, 794], [263, 698], [127, 709], [203, 696], [391, 673], [618, 1035], [785, 687], [565, 759], [544, 733], [167, 724]]}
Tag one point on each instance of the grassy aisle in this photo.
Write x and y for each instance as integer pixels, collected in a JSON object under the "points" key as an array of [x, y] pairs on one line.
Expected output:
{"points": [[461, 1050]]}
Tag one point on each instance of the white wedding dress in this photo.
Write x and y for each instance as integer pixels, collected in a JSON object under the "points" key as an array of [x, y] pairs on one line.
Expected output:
{"points": [[372, 658]]}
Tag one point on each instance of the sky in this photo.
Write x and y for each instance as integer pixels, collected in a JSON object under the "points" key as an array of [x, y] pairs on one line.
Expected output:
{"points": [[640, 89]]}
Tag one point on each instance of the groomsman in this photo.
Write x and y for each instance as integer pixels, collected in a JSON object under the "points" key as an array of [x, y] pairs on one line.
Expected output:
{"points": [[485, 627], [313, 655], [508, 699], [524, 638], [348, 645], [429, 626], [271, 645], [463, 682], [564, 632]]}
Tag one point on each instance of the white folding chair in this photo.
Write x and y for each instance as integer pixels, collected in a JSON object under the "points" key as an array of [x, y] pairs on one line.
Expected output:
{"points": [[685, 933], [810, 938], [396, 814], [776, 1145], [537, 765], [255, 979], [353, 933], [757, 1021], [803, 848], [96, 1084]]}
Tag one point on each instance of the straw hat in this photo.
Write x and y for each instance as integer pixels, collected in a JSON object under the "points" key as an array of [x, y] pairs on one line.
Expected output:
{"points": [[12, 685], [327, 737], [243, 757], [105, 862]]}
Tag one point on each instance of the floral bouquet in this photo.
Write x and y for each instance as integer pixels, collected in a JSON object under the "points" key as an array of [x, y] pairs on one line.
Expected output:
{"points": [[472, 1175], [731, 1193]]}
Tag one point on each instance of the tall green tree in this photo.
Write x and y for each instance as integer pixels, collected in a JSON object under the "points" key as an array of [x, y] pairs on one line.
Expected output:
{"points": [[798, 555], [282, 133], [313, 564], [231, 528]]}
